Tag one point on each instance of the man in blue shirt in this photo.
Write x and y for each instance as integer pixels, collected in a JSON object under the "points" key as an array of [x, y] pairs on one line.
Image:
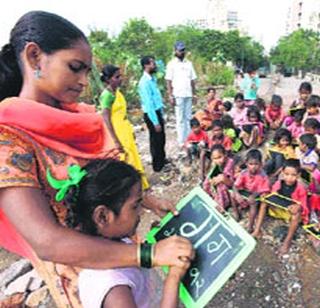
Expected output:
{"points": [[152, 106]]}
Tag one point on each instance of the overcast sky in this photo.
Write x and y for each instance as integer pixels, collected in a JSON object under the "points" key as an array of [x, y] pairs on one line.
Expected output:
{"points": [[265, 19]]}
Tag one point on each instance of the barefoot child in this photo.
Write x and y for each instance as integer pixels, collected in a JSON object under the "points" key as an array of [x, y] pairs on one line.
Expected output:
{"points": [[217, 184], [108, 204], [289, 187], [254, 181]]}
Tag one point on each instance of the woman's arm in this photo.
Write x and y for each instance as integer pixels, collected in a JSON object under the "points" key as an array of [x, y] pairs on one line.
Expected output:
{"points": [[106, 114], [31, 215]]}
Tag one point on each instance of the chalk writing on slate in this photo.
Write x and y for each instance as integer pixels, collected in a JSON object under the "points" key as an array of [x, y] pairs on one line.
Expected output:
{"points": [[221, 246]]}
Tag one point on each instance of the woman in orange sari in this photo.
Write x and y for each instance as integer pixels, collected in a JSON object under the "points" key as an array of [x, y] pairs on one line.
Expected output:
{"points": [[43, 132]]}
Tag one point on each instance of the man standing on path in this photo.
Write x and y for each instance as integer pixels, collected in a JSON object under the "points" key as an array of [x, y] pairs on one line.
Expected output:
{"points": [[152, 107], [180, 76]]}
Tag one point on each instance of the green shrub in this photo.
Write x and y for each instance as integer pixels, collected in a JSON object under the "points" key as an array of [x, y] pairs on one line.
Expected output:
{"points": [[219, 74]]}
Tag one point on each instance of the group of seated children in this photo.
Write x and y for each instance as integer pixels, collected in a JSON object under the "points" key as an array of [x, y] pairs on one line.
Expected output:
{"points": [[288, 169]]}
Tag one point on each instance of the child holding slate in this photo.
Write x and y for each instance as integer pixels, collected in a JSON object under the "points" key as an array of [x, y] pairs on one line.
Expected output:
{"points": [[106, 202], [274, 113], [278, 153], [251, 184], [289, 202], [220, 177]]}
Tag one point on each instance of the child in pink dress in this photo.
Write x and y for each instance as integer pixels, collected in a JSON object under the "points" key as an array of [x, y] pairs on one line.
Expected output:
{"points": [[254, 181], [296, 128], [218, 185]]}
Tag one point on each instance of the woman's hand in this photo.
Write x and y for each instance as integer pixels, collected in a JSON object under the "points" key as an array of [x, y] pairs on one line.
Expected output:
{"points": [[173, 251]]}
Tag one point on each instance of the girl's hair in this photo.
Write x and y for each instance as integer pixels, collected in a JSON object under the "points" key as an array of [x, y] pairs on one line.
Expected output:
{"points": [[254, 110], [49, 31], [239, 96], [227, 121], [254, 154], [218, 147], [108, 71], [217, 123], [260, 103], [312, 123], [313, 101], [298, 116], [211, 89], [282, 133], [108, 183], [227, 105], [309, 140], [306, 86], [292, 163], [276, 100]]}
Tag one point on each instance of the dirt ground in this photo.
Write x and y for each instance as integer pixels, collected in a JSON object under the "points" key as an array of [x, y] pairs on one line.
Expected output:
{"points": [[265, 279]]}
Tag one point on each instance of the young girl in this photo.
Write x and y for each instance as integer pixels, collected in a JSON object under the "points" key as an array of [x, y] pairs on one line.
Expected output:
{"points": [[312, 107], [107, 203], [312, 126], [252, 132], [289, 187], [254, 181], [239, 110], [278, 153], [230, 131], [216, 136], [217, 186], [275, 114], [296, 128], [299, 104]]}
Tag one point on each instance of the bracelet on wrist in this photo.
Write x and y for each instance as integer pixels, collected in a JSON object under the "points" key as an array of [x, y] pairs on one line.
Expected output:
{"points": [[146, 255]]}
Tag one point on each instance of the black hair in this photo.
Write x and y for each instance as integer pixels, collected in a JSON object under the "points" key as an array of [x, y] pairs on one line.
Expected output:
{"points": [[254, 110], [227, 121], [276, 100], [251, 69], [282, 133], [298, 116], [254, 154], [218, 147], [309, 140], [108, 71], [108, 183], [194, 122], [145, 60], [211, 89], [238, 96], [306, 86], [49, 31], [292, 163], [313, 101], [227, 105], [260, 103], [312, 123], [217, 123]]}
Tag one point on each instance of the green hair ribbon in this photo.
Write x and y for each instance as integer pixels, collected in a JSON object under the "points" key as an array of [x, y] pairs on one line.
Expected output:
{"points": [[75, 176]]}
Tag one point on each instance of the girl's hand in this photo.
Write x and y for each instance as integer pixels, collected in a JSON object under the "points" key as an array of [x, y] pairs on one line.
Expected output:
{"points": [[173, 251], [220, 178], [177, 273], [294, 208]]}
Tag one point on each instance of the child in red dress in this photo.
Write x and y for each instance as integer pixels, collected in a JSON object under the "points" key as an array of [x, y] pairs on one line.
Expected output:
{"points": [[255, 182], [275, 114], [289, 187]]}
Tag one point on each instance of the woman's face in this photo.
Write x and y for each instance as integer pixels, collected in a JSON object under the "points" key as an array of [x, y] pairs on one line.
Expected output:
{"points": [[64, 74], [115, 80]]}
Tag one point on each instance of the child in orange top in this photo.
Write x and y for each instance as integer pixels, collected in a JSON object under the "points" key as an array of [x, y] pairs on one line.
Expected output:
{"points": [[275, 114], [216, 136], [255, 182], [290, 188]]}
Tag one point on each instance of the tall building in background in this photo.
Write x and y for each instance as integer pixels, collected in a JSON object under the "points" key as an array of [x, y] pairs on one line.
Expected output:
{"points": [[303, 14]]}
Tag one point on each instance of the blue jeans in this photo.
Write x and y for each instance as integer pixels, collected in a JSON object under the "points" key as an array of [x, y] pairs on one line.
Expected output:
{"points": [[183, 110]]}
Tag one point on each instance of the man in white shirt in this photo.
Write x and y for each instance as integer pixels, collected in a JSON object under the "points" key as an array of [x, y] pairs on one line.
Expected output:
{"points": [[180, 76]]}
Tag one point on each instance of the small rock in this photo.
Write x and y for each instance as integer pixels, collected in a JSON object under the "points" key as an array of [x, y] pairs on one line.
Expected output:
{"points": [[242, 274], [267, 298], [17, 269], [37, 297]]}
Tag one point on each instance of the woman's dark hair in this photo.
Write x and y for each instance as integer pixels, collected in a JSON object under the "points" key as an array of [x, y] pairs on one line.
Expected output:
{"points": [[254, 154], [49, 31], [312, 123], [218, 147], [306, 86], [146, 60], [227, 122], [309, 140], [108, 183], [108, 71], [254, 110], [292, 163], [238, 96], [282, 133]]}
